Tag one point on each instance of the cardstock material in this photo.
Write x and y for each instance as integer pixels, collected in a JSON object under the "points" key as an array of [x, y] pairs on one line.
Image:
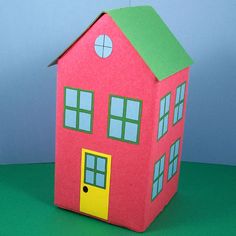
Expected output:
{"points": [[152, 39], [123, 74]]}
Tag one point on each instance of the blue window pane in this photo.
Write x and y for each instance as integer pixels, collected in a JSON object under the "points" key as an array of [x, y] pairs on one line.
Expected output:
{"points": [[90, 161], [100, 180], [176, 148], [85, 100], [106, 52], [175, 165], [170, 170], [70, 118], [182, 92], [160, 128], [160, 183], [117, 105], [132, 110], [99, 50], [180, 111], [101, 164], [84, 121], [107, 42], [131, 131], [103, 46], [162, 107], [162, 164], [167, 107], [176, 115], [177, 95], [165, 124], [71, 97], [156, 170], [115, 128], [172, 152], [154, 189], [100, 40], [89, 177]]}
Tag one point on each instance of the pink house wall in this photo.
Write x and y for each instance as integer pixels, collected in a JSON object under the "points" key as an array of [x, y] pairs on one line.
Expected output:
{"points": [[163, 145], [124, 73]]}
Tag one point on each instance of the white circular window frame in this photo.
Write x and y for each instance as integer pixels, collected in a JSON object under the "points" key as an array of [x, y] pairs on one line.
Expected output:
{"points": [[103, 46]]}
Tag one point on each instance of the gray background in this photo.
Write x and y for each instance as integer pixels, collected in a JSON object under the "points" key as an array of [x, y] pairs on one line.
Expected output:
{"points": [[32, 33]]}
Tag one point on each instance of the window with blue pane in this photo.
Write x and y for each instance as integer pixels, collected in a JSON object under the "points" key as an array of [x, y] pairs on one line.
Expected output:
{"points": [[124, 119], [103, 46], [179, 103], [163, 116], [158, 177], [95, 170], [173, 160], [78, 109]]}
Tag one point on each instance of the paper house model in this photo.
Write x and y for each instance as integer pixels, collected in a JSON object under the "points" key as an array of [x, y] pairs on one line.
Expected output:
{"points": [[121, 102]]}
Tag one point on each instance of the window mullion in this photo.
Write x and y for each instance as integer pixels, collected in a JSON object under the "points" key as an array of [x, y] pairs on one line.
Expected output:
{"points": [[164, 105], [177, 108], [179, 102], [103, 46], [95, 169], [100, 172], [173, 159], [166, 115], [162, 132], [159, 168], [71, 108], [162, 117], [131, 121], [88, 168], [85, 111], [180, 94], [116, 117], [78, 106], [123, 120]]}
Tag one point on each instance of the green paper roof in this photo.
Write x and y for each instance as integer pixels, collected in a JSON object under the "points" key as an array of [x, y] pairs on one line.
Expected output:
{"points": [[152, 39]]}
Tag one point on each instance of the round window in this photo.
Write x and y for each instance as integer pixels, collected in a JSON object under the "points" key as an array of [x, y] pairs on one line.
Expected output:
{"points": [[103, 46]]}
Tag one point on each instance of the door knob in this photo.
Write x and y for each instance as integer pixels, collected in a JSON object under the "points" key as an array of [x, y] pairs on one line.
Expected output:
{"points": [[85, 189]]}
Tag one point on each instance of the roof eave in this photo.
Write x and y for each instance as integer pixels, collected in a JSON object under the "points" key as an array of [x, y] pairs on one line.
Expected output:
{"points": [[54, 62]]}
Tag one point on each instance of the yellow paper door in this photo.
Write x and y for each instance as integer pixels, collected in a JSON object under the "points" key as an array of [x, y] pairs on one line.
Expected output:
{"points": [[95, 183]]}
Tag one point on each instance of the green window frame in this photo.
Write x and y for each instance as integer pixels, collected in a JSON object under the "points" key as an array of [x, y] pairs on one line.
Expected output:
{"points": [[95, 171], [158, 177], [164, 116], [179, 103], [173, 159], [124, 118], [78, 109]]}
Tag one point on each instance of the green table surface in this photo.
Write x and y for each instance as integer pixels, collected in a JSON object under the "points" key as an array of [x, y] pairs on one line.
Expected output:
{"points": [[204, 205]]}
